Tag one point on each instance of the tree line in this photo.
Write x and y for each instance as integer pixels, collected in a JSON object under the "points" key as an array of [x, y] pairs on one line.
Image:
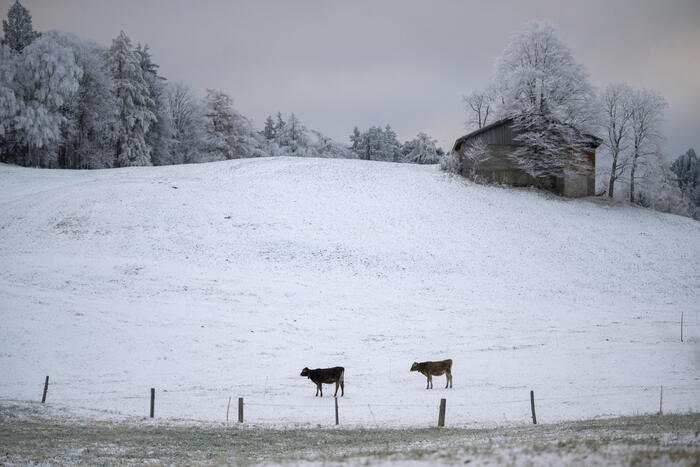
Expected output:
{"points": [[67, 102], [556, 111]]}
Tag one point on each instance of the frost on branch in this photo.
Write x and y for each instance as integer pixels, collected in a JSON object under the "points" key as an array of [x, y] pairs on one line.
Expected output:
{"points": [[547, 94]]}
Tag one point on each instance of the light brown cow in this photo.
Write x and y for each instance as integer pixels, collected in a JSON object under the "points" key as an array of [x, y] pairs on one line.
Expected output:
{"points": [[430, 369]]}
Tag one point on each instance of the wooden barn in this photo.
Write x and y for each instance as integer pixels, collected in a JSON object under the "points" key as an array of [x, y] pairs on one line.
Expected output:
{"points": [[497, 167]]}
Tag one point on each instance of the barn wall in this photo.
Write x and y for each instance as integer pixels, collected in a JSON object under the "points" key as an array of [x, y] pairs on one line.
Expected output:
{"points": [[575, 186], [502, 135], [498, 168]]}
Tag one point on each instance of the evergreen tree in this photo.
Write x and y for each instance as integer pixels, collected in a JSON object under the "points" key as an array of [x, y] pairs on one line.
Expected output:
{"points": [[279, 123], [687, 171], [391, 148], [18, 29], [270, 130], [134, 117], [160, 134], [376, 144], [293, 135], [228, 134], [355, 140], [661, 191], [88, 132]]}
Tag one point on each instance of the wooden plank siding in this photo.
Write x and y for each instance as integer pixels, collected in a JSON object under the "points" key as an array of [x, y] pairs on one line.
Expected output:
{"points": [[498, 168]]}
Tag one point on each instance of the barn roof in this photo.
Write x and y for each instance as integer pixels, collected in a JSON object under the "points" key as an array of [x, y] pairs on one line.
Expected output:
{"points": [[594, 140], [503, 121]]}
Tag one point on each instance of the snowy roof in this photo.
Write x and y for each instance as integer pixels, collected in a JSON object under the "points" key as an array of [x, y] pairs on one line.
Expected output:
{"points": [[594, 140], [481, 130]]}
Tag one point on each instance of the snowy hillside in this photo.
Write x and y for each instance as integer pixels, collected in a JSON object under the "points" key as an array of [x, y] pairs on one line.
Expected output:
{"points": [[226, 279]]}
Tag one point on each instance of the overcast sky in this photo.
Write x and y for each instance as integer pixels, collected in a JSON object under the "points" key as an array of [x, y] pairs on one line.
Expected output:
{"points": [[338, 64]]}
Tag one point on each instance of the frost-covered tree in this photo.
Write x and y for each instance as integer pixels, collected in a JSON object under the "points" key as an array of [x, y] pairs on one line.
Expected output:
{"points": [[355, 139], [660, 190], [188, 139], [548, 96], [293, 136], [376, 143], [46, 78], [371, 142], [424, 150], [279, 122], [686, 169], [473, 155], [228, 134], [269, 131], [88, 132], [390, 148], [616, 122], [450, 162], [17, 29], [9, 106], [647, 117], [160, 133], [134, 117], [326, 147]]}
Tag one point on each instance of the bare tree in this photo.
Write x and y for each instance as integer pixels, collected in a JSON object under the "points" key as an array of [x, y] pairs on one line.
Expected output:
{"points": [[616, 103], [647, 109], [187, 118], [479, 107]]}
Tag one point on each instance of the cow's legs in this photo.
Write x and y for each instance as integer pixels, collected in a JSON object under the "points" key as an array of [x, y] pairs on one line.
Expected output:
{"points": [[316, 389], [336, 389], [342, 388], [320, 388], [448, 380]]}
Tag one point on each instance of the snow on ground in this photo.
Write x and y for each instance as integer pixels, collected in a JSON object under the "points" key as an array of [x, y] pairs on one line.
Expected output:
{"points": [[224, 280]]}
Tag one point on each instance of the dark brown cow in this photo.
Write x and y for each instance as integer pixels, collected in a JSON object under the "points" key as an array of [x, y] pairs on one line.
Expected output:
{"points": [[430, 369], [322, 376]]}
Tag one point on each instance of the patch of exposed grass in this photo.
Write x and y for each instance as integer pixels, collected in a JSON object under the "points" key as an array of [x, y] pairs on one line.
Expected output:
{"points": [[29, 436]]}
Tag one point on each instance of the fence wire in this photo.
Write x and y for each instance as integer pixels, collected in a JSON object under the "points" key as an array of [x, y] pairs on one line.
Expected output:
{"points": [[349, 410]]}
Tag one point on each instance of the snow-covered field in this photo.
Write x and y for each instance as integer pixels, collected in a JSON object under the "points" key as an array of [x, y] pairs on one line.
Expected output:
{"points": [[224, 280]]}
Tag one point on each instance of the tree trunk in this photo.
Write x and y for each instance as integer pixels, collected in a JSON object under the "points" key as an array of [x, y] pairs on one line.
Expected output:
{"points": [[632, 170], [611, 184], [635, 157]]}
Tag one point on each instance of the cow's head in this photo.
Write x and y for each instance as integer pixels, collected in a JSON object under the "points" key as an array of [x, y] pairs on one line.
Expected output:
{"points": [[414, 367], [304, 372]]}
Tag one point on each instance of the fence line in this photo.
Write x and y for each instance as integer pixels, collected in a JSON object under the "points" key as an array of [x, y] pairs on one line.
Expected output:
{"points": [[362, 406]]}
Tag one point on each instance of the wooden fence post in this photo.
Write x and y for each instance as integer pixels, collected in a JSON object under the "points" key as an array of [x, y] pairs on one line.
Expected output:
{"points": [[661, 401], [681, 326], [228, 407], [153, 402], [532, 406], [240, 410], [337, 422], [441, 416], [46, 388]]}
